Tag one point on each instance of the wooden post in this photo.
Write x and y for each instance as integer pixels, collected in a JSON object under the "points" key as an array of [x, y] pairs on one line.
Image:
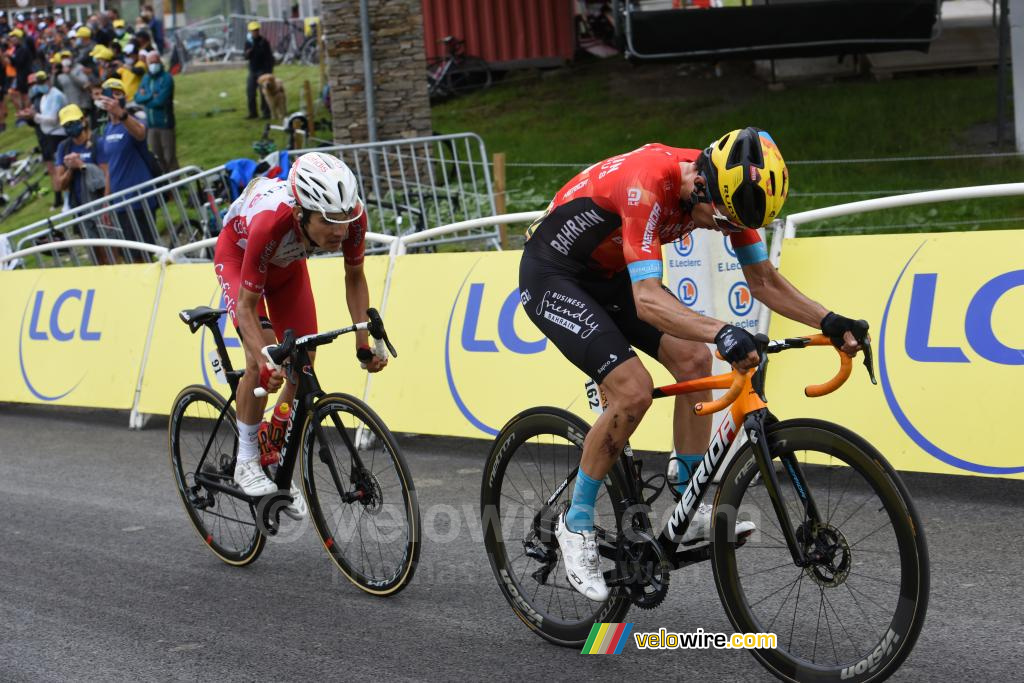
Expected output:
{"points": [[499, 194], [307, 93]]}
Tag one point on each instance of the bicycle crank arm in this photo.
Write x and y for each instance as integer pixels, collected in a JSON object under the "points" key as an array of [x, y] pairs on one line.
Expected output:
{"points": [[225, 486]]}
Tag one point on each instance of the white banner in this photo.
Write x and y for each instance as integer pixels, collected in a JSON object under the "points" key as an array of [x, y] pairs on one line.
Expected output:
{"points": [[703, 273]]}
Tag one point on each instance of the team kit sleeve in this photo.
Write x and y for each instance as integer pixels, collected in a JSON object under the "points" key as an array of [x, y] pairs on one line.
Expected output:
{"points": [[749, 247], [641, 210], [263, 239]]}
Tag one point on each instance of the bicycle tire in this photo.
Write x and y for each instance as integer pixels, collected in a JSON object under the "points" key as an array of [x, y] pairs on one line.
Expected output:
{"points": [[567, 427], [841, 455], [318, 481], [468, 74], [236, 540]]}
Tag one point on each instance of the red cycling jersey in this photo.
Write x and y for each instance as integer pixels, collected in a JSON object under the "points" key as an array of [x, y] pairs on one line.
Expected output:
{"points": [[617, 213], [260, 248]]}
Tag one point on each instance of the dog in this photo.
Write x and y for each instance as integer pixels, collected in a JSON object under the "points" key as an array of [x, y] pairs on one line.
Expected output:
{"points": [[272, 89]]}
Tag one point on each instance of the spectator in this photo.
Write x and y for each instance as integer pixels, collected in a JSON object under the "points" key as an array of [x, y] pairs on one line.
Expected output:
{"points": [[7, 76], [157, 94], [45, 116], [83, 42], [75, 89], [122, 154], [261, 61], [104, 57], [5, 27], [103, 31], [78, 176], [121, 33], [21, 59], [155, 26]]}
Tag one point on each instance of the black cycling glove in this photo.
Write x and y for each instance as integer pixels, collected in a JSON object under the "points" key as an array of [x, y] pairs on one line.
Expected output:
{"points": [[734, 343], [834, 326]]}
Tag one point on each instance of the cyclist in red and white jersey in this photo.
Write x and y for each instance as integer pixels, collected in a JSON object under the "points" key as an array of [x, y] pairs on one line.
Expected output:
{"points": [[590, 279], [260, 263]]}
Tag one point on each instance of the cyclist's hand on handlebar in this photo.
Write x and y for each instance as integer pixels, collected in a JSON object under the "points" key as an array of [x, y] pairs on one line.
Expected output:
{"points": [[270, 379], [375, 364], [738, 347], [844, 332], [370, 361]]}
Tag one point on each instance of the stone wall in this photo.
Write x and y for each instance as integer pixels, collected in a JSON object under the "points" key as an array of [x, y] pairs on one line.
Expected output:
{"points": [[399, 69]]}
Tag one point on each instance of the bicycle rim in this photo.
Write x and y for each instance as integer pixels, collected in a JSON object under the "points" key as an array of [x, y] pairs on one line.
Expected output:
{"points": [[853, 615], [367, 516], [532, 456], [226, 524]]}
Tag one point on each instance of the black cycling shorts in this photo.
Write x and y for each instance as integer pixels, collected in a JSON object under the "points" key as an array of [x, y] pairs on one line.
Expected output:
{"points": [[48, 146], [591, 319]]}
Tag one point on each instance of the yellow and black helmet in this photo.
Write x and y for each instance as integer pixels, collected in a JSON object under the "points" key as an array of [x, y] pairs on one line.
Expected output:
{"points": [[747, 176]]}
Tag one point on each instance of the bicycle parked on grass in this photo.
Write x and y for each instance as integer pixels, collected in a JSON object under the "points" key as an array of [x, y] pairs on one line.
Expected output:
{"points": [[359, 489], [837, 566], [456, 73]]}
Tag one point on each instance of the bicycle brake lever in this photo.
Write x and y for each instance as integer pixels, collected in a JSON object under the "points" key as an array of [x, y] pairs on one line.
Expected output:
{"points": [[376, 329], [757, 381], [861, 334]]}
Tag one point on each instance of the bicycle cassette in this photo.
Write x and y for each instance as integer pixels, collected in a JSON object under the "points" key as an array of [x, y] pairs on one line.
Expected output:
{"points": [[643, 568]]}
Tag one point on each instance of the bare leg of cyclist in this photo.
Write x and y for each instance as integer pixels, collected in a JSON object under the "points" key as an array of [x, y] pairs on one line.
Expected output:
{"points": [[691, 433], [628, 390]]}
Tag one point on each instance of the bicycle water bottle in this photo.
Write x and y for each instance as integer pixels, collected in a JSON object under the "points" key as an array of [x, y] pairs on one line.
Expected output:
{"points": [[271, 435]]}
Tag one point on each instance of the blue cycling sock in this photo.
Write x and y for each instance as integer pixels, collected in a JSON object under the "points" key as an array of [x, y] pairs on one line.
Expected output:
{"points": [[687, 465], [580, 516]]}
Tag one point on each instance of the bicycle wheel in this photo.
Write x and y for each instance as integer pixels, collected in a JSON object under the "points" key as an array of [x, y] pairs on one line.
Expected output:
{"points": [[226, 524], [361, 494], [467, 75], [855, 612], [531, 457]]}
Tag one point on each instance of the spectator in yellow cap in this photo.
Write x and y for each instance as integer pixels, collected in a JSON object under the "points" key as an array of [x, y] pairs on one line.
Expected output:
{"points": [[83, 42], [122, 154], [73, 81], [122, 34], [261, 61], [103, 56], [77, 173], [45, 117], [21, 59]]}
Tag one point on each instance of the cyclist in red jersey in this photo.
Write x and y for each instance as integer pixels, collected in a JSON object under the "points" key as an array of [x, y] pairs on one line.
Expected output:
{"points": [[590, 279], [260, 263]]}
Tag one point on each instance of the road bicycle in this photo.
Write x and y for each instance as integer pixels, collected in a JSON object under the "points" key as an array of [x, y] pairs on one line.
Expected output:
{"points": [[456, 73], [358, 487], [10, 205], [837, 567]]}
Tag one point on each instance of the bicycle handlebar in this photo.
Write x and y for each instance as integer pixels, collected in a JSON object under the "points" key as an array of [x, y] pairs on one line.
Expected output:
{"points": [[276, 355], [845, 367], [738, 380]]}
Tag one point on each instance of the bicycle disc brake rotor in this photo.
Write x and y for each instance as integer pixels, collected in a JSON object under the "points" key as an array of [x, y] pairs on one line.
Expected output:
{"points": [[372, 498], [830, 555], [643, 567]]}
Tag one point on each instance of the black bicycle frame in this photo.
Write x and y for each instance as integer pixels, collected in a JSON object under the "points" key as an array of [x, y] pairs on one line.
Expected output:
{"points": [[308, 390]]}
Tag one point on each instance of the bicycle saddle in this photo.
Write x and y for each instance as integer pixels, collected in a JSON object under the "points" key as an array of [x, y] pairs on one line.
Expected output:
{"points": [[199, 316]]}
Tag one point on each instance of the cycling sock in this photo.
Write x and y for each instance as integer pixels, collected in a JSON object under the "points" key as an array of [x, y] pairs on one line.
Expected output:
{"points": [[580, 516], [687, 464], [247, 448]]}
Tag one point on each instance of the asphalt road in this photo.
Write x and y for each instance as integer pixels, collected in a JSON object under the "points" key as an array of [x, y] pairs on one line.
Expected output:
{"points": [[102, 578]]}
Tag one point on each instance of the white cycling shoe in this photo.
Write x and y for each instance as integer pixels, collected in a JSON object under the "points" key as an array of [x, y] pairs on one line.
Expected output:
{"points": [[582, 561], [252, 480], [298, 509], [699, 530]]}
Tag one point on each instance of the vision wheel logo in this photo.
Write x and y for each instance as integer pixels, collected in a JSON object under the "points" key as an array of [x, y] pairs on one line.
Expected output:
{"points": [[684, 245], [687, 292], [740, 300]]}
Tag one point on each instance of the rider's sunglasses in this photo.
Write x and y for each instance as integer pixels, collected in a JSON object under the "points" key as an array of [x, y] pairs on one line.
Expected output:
{"points": [[348, 217]]}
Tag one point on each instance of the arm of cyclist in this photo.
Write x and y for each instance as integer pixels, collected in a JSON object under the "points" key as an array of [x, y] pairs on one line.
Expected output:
{"points": [[768, 286], [357, 296], [252, 339], [657, 306]]}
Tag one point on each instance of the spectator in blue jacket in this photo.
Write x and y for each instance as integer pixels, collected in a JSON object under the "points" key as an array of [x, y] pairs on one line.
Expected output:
{"points": [[156, 27], [156, 94]]}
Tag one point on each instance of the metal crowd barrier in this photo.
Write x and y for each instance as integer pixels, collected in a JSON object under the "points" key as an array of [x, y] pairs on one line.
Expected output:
{"points": [[175, 209], [413, 184]]}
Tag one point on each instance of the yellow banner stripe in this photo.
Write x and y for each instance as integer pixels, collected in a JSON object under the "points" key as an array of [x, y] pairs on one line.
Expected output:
{"points": [[599, 640]]}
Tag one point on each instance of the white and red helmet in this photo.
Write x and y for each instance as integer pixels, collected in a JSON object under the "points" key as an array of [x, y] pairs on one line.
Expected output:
{"points": [[323, 183]]}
